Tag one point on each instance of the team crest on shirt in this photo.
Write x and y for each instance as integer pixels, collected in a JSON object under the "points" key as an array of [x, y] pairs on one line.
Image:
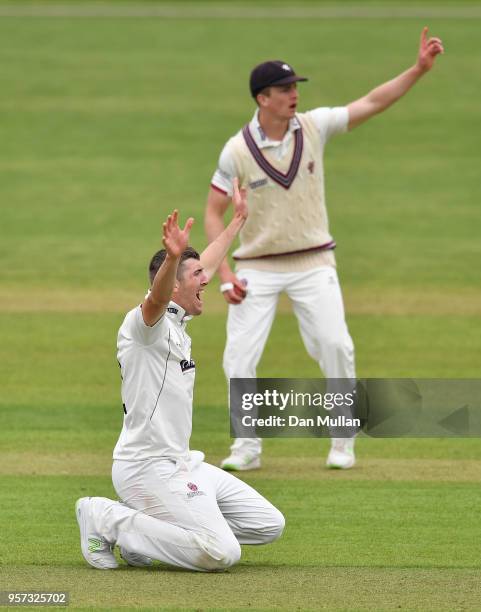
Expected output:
{"points": [[310, 167], [194, 490], [186, 365]]}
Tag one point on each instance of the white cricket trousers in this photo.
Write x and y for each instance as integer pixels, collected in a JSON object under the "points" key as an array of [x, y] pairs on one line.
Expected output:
{"points": [[318, 306], [191, 515]]}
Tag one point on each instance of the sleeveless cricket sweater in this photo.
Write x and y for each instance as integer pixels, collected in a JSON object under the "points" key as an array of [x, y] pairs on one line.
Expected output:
{"points": [[287, 228]]}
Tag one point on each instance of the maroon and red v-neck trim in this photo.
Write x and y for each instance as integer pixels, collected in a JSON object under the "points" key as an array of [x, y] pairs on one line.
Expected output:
{"points": [[284, 180]]}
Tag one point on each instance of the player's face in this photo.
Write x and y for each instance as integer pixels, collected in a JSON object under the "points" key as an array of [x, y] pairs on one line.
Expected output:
{"points": [[188, 292], [282, 101]]}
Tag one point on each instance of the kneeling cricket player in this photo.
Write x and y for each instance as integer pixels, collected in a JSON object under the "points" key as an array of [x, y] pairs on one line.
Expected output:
{"points": [[175, 507]]}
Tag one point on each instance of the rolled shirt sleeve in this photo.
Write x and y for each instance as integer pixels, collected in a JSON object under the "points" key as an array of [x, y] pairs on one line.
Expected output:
{"points": [[330, 121], [142, 333], [226, 171]]}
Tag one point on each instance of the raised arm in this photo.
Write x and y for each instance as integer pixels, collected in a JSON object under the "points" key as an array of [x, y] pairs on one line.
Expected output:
{"points": [[382, 97], [175, 242], [217, 205], [213, 257]]}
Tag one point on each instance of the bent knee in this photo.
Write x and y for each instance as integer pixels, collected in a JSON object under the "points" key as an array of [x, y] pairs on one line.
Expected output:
{"points": [[219, 554], [231, 554], [271, 528], [275, 527]]}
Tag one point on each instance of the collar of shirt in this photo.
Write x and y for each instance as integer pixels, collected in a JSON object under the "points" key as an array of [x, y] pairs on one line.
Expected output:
{"points": [[177, 313], [263, 141]]}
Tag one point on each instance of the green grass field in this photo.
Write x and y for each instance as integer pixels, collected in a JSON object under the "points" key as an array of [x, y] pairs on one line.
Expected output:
{"points": [[110, 122]]}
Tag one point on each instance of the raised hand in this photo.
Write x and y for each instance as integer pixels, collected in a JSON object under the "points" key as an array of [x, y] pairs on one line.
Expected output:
{"points": [[239, 200], [428, 50], [174, 239]]}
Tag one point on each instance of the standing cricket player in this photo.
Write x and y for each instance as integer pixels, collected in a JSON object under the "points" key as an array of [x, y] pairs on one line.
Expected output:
{"points": [[286, 244], [176, 508]]}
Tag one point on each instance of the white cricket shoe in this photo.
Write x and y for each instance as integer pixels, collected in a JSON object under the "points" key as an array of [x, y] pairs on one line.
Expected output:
{"points": [[341, 456], [95, 549], [241, 462], [135, 559]]}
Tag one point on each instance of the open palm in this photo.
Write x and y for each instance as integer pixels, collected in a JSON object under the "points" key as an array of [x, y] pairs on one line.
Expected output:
{"points": [[176, 240]]}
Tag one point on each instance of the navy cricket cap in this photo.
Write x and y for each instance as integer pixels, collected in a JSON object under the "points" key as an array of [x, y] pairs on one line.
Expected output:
{"points": [[272, 73]]}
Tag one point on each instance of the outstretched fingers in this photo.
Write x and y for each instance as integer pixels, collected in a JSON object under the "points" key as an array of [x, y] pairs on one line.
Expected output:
{"points": [[171, 222], [424, 36], [169, 226], [175, 239], [188, 225]]}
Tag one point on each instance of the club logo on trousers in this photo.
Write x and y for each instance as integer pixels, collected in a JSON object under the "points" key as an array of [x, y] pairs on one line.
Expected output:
{"points": [[194, 490]]}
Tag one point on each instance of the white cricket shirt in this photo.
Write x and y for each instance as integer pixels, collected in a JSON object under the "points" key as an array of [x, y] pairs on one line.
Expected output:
{"points": [[157, 386]]}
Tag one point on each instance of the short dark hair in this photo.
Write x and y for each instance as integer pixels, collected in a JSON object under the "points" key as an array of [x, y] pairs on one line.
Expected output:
{"points": [[265, 92], [158, 259]]}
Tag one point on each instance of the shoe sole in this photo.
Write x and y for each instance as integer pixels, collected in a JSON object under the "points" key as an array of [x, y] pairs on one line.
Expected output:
{"points": [[230, 467], [331, 466], [135, 563], [80, 514]]}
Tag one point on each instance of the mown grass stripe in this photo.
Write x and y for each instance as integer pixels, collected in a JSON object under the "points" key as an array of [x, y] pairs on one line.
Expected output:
{"points": [[229, 11]]}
